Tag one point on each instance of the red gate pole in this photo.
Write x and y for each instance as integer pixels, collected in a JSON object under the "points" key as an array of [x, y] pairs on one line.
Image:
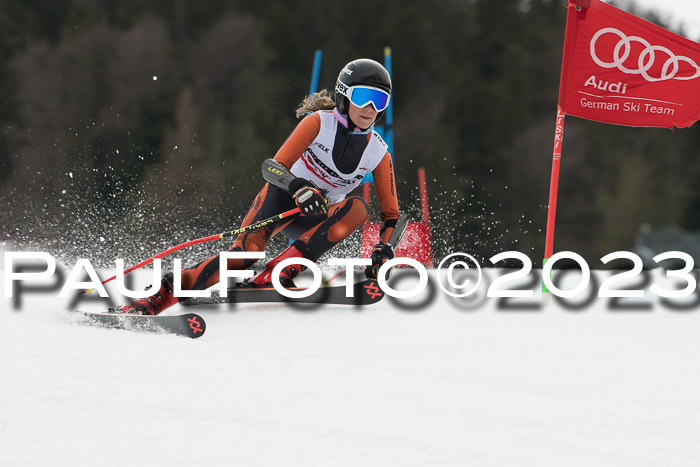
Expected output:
{"points": [[423, 188]]}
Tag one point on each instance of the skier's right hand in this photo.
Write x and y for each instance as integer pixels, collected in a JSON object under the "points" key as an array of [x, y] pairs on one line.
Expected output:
{"points": [[309, 198]]}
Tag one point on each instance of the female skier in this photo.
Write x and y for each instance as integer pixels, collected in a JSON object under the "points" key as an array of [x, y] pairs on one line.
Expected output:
{"points": [[328, 153]]}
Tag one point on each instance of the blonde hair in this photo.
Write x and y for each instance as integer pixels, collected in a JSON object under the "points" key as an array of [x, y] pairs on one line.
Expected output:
{"points": [[321, 100]]}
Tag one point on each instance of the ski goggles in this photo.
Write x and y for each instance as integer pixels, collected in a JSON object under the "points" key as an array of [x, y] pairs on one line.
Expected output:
{"points": [[362, 96]]}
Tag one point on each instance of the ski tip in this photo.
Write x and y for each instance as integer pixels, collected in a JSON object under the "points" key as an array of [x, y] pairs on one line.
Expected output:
{"points": [[195, 324], [369, 291]]}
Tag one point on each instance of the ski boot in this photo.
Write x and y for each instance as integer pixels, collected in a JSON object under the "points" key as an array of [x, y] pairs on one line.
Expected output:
{"points": [[154, 304], [287, 274]]}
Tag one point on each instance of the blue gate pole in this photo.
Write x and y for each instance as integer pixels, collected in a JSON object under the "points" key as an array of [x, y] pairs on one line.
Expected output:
{"points": [[389, 125], [385, 131], [315, 72]]}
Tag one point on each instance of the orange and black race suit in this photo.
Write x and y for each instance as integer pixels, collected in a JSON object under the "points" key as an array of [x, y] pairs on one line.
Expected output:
{"points": [[334, 157]]}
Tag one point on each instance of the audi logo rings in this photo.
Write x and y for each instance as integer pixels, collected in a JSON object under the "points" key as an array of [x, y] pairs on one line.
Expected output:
{"points": [[646, 58]]}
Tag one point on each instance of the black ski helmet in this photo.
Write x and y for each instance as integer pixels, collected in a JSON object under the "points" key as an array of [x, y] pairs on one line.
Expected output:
{"points": [[362, 71]]}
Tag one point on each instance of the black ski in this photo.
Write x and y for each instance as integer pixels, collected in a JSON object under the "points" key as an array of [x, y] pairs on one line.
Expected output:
{"points": [[188, 325], [364, 293]]}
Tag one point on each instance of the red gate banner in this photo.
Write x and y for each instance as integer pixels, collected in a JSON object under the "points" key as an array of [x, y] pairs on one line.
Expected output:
{"points": [[618, 68]]}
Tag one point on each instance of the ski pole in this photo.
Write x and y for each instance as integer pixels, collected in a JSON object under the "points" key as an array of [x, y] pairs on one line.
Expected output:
{"points": [[231, 233]]}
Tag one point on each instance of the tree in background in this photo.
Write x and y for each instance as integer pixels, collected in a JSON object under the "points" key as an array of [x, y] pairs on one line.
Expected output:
{"points": [[144, 122]]}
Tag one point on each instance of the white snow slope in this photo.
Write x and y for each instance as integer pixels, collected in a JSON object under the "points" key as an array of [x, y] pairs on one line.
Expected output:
{"points": [[381, 386]]}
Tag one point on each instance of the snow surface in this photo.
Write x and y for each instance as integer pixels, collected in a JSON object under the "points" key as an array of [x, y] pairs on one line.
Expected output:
{"points": [[447, 385]]}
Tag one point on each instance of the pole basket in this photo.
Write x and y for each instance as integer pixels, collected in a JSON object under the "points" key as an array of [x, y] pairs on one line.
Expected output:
{"points": [[416, 242]]}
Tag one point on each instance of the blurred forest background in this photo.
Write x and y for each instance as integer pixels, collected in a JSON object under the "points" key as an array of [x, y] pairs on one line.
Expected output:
{"points": [[130, 126]]}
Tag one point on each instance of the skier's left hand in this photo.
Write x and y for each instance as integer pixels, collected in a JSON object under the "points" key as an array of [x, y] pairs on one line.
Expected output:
{"points": [[381, 253]]}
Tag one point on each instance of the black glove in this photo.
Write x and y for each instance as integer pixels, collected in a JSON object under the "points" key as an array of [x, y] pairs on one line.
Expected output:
{"points": [[381, 253], [309, 198]]}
